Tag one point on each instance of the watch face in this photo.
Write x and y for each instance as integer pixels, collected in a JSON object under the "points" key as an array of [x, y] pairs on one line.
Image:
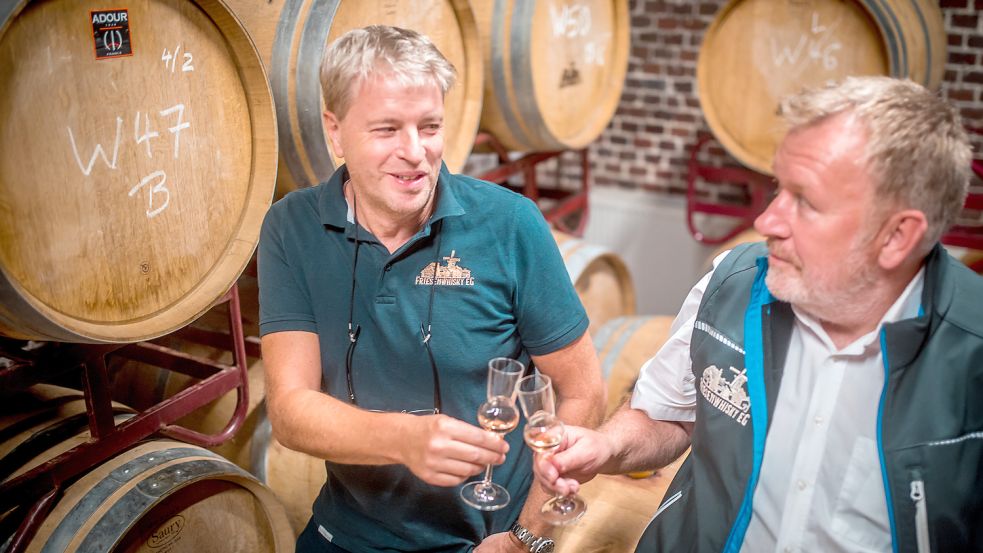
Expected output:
{"points": [[545, 548]]}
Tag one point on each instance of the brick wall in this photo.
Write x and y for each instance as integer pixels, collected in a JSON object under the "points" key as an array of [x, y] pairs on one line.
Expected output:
{"points": [[647, 144]]}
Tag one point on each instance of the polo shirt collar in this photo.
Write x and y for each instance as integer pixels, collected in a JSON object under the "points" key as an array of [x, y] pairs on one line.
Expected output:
{"points": [[331, 204], [334, 210]]}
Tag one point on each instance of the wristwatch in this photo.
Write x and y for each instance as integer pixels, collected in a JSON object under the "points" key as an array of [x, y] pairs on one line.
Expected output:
{"points": [[536, 544]]}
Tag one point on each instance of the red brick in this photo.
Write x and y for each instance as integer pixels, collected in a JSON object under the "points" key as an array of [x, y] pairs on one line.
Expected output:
{"points": [[960, 95], [973, 77], [972, 113], [707, 8], [647, 145], [966, 21], [967, 58]]}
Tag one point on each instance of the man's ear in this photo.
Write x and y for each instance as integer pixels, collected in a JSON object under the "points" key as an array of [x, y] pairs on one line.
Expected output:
{"points": [[332, 127], [901, 236]]}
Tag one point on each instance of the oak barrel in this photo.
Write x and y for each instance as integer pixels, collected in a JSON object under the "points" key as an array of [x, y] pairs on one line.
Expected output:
{"points": [[554, 70], [155, 495], [291, 36], [39, 424], [600, 277], [295, 478], [166, 494], [757, 51], [623, 345], [137, 160]]}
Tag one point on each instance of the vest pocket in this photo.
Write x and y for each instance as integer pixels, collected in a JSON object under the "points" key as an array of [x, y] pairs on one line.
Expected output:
{"points": [[935, 489]]}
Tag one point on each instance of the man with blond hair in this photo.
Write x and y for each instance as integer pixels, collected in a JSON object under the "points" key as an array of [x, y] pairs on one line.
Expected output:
{"points": [[384, 292], [860, 340]]}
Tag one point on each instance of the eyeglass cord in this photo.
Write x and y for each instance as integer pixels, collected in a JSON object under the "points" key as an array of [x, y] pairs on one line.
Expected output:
{"points": [[425, 332]]}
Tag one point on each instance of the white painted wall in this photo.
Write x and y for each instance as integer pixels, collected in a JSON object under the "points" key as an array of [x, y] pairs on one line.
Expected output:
{"points": [[649, 232]]}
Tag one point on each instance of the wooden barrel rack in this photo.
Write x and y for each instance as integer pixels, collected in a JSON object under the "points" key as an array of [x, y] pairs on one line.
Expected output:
{"points": [[24, 363]]}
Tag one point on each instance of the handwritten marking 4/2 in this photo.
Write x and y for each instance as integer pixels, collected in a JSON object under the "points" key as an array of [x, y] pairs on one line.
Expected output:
{"points": [[170, 60]]}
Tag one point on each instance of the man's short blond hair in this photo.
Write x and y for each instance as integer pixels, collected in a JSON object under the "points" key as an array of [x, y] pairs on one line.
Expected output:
{"points": [[405, 56], [917, 150]]}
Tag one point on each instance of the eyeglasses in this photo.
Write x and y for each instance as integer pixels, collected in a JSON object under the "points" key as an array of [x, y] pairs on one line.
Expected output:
{"points": [[354, 330]]}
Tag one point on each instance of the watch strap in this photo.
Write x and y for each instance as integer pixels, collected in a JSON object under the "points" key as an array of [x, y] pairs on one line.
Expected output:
{"points": [[530, 540]]}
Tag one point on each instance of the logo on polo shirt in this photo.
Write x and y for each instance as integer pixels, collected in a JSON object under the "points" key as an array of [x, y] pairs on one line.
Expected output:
{"points": [[730, 397], [450, 274]]}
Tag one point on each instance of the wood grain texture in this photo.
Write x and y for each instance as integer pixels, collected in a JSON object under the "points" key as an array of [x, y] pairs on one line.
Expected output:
{"points": [[623, 346], [601, 279], [166, 495], [758, 51], [554, 70], [133, 188]]}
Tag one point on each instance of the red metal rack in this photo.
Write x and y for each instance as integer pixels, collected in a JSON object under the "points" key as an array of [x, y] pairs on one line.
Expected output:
{"points": [[571, 204], [26, 364], [758, 187]]}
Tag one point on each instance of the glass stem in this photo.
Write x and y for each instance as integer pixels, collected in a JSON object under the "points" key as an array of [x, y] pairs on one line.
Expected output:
{"points": [[488, 471]]}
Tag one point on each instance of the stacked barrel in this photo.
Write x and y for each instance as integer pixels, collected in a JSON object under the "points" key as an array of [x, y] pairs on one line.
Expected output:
{"points": [[137, 160], [143, 144], [758, 51]]}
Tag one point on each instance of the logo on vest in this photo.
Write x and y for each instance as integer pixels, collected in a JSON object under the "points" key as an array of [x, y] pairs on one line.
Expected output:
{"points": [[729, 397], [450, 274]]}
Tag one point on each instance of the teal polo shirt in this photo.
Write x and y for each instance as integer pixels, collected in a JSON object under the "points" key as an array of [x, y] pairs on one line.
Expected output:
{"points": [[502, 291]]}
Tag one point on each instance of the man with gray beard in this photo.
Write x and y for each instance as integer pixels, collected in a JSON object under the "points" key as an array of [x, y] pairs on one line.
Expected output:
{"points": [[855, 339]]}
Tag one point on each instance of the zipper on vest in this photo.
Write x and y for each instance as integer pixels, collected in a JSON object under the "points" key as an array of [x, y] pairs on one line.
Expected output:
{"points": [[921, 513]]}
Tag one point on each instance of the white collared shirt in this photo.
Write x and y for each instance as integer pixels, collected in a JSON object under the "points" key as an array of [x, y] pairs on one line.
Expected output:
{"points": [[820, 487]]}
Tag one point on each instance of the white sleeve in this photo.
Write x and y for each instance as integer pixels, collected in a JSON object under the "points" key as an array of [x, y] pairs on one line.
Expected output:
{"points": [[665, 388]]}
